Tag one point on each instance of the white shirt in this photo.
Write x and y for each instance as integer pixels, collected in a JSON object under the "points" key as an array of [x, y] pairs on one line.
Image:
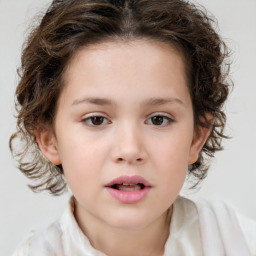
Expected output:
{"points": [[197, 228]]}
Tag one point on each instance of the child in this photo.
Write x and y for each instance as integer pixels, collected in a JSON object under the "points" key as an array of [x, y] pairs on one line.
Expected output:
{"points": [[119, 100]]}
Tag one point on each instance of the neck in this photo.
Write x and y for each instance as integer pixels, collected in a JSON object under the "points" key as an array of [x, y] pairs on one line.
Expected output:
{"points": [[146, 241]]}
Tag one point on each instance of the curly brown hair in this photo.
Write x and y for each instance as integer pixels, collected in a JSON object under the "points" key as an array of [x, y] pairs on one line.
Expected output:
{"points": [[69, 25]]}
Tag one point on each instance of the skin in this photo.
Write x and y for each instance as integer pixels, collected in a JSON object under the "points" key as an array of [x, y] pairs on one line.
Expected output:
{"points": [[137, 80]]}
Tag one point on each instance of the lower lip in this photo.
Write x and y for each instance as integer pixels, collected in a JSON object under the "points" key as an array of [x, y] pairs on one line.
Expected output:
{"points": [[129, 197]]}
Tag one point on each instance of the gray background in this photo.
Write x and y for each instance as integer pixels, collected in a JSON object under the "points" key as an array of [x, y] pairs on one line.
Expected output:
{"points": [[233, 173]]}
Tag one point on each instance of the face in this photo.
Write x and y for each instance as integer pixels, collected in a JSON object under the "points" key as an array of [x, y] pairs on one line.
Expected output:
{"points": [[124, 132]]}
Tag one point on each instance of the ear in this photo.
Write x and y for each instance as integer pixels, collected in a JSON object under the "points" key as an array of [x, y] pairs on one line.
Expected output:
{"points": [[200, 136], [48, 144]]}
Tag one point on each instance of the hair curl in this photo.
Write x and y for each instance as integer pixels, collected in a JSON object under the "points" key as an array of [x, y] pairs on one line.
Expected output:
{"points": [[69, 25]]}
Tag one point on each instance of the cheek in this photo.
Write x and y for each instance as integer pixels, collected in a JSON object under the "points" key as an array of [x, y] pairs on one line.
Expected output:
{"points": [[173, 150], [81, 159], [171, 161], [172, 171]]}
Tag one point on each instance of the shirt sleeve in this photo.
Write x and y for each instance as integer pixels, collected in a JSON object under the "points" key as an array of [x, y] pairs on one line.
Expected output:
{"points": [[248, 227], [23, 247], [47, 241]]}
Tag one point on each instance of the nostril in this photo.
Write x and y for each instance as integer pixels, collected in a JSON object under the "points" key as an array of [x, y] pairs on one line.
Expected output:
{"points": [[128, 159]]}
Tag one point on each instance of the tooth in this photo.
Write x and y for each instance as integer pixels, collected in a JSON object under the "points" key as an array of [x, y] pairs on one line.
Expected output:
{"points": [[128, 187]]}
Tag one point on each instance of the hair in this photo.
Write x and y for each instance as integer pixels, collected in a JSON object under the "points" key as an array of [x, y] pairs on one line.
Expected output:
{"points": [[69, 25]]}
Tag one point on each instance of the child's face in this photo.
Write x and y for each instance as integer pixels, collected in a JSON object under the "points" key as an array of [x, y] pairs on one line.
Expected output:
{"points": [[125, 111]]}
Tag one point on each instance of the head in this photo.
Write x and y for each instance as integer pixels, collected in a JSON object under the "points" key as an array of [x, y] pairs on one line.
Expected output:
{"points": [[69, 27]]}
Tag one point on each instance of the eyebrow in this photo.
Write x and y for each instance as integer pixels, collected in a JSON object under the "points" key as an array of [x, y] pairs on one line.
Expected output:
{"points": [[163, 101], [148, 102], [95, 101]]}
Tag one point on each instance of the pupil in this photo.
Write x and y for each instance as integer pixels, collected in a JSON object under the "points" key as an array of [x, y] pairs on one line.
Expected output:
{"points": [[157, 120], [97, 120]]}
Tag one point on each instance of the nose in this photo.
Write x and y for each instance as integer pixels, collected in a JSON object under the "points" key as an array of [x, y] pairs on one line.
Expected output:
{"points": [[129, 146]]}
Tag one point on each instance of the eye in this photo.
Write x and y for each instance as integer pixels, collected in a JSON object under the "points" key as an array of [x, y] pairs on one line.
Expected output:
{"points": [[96, 121], [159, 120]]}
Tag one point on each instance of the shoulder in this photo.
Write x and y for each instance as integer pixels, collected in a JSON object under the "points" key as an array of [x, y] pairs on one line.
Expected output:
{"points": [[42, 242], [49, 241], [221, 219], [63, 237], [23, 247], [248, 227]]}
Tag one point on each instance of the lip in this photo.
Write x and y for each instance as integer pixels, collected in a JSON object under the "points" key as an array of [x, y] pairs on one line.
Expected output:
{"points": [[129, 179], [129, 197]]}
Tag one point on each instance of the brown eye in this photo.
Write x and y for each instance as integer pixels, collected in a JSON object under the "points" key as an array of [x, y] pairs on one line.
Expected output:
{"points": [[157, 120], [95, 121]]}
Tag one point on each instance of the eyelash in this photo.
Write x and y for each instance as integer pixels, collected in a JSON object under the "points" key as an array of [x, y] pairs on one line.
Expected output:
{"points": [[88, 120], [163, 118]]}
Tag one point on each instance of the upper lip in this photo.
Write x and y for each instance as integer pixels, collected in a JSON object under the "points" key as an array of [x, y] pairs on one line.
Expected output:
{"points": [[135, 179]]}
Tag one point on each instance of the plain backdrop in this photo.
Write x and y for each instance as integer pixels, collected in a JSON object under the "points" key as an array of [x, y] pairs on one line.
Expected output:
{"points": [[233, 173]]}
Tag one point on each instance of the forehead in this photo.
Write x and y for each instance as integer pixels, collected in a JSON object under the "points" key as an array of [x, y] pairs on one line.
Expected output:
{"points": [[150, 67], [124, 52]]}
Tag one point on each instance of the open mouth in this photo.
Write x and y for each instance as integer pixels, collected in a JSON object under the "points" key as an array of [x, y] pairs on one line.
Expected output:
{"points": [[129, 183], [128, 186], [129, 189]]}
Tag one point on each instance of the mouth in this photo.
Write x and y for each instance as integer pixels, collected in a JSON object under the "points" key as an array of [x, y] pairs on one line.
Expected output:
{"points": [[128, 186], [129, 189], [129, 183]]}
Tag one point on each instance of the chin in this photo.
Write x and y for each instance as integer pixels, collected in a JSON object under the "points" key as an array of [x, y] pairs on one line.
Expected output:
{"points": [[130, 219]]}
